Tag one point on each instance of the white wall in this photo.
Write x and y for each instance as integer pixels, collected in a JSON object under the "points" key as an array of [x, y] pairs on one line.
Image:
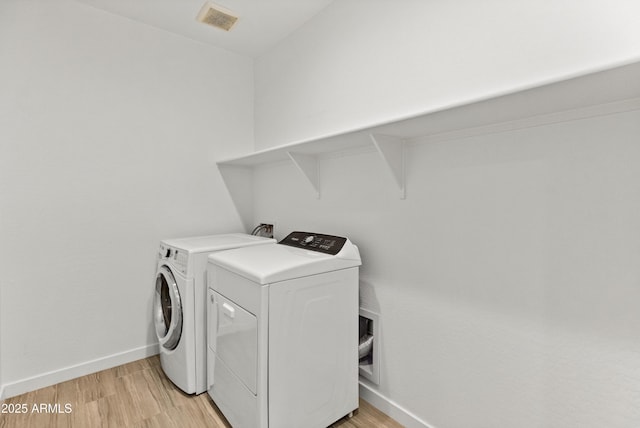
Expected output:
{"points": [[507, 282], [109, 131], [1, 383], [361, 62]]}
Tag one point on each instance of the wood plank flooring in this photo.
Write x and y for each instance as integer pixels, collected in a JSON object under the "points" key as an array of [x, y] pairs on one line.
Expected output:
{"points": [[136, 395]]}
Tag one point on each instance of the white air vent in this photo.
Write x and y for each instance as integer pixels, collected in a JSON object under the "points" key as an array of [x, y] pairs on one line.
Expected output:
{"points": [[217, 16]]}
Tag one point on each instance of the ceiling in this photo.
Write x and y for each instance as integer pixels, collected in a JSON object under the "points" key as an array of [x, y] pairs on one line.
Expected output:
{"points": [[261, 23]]}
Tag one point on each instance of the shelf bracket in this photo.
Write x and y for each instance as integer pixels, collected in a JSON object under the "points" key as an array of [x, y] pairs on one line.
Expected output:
{"points": [[392, 152], [308, 166]]}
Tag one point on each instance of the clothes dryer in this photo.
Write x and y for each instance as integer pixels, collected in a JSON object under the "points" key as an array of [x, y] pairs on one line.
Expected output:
{"points": [[283, 332], [179, 304]]}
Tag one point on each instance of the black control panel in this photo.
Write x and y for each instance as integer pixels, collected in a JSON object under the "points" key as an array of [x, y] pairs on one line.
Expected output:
{"points": [[327, 244]]}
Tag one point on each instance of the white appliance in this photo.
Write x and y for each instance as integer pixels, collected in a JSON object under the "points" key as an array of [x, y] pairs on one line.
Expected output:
{"points": [[179, 304], [283, 332]]}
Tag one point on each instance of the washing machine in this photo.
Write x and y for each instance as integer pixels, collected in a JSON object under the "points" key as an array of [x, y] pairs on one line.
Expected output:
{"points": [[179, 304], [283, 332]]}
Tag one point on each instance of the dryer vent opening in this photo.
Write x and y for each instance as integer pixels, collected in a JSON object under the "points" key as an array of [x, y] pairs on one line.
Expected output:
{"points": [[217, 16], [369, 346]]}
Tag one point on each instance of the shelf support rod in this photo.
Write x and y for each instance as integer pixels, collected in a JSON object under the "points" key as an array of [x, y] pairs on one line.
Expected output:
{"points": [[392, 151], [308, 166]]}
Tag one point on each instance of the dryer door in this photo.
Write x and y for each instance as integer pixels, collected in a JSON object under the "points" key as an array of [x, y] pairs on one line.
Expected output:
{"points": [[167, 309]]}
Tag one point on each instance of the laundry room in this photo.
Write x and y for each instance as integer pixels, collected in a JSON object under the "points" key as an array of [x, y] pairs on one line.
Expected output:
{"points": [[480, 158]]}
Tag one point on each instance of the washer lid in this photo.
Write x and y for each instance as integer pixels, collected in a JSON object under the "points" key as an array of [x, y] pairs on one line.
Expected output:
{"points": [[200, 244], [266, 264]]}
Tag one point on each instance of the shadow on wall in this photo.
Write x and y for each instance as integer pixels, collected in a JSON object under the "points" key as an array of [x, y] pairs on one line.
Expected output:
{"points": [[368, 298], [239, 182]]}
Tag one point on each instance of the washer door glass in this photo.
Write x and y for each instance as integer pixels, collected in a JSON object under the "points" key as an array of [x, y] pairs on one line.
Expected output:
{"points": [[167, 309]]}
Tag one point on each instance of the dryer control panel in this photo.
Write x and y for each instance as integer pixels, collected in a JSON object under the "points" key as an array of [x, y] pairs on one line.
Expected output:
{"points": [[327, 244]]}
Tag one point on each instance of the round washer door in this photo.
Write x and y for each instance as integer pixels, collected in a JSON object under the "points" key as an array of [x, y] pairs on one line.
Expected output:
{"points": [[167, 309]]}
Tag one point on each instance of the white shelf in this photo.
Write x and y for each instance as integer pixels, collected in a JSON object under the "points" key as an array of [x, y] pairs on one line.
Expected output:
{"points": [[603, 92]]}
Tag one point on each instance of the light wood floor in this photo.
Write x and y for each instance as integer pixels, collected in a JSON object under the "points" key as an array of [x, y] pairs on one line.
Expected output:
{"points": [[138, 395]]}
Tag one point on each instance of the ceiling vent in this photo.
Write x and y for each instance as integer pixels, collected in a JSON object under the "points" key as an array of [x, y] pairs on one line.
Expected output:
{"points": [[216, 16]]}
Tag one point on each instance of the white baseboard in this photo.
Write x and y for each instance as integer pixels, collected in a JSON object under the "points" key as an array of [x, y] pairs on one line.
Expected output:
{"points": [[379, 401], [391, 408], [67, 373]]}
